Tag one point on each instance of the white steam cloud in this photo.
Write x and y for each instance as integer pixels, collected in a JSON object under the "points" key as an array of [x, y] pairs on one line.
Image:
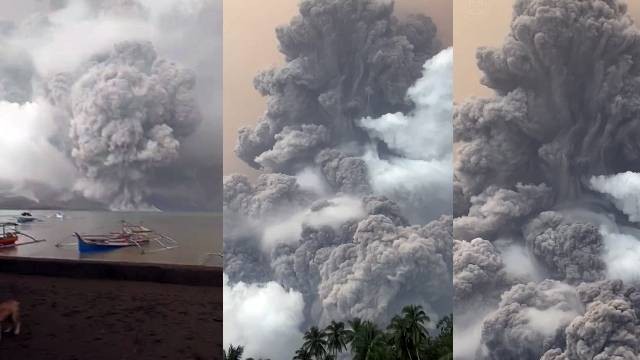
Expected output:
{"points": [[624, 191], [264, 318], [27, 153], [418, 175], [332, 213]]}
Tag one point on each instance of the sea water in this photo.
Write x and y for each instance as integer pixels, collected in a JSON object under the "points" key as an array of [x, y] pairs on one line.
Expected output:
{"points": [[197, 234]]}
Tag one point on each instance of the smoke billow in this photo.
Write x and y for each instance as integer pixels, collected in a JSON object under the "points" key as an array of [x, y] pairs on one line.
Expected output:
{"points": [[114, 109], [548, 164], [343, 181], [129, 111]]}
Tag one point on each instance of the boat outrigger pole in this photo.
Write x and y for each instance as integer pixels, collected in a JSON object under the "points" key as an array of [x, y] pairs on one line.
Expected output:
{"points": [[9, 236]]}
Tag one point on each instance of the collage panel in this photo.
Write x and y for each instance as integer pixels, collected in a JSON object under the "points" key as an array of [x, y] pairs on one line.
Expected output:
{"points": [[113, 112], [546, 249], [110, 179], [338, 179]]}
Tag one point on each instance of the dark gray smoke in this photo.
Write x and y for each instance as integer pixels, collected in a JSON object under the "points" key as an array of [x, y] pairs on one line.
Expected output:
{"points": [[564, 111], [496, 210], [344, 173], [345, 60], [315, 223], [571, 251]]}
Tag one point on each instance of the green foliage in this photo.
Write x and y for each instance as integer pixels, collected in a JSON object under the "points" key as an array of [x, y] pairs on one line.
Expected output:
{"points": [[405, 338]]}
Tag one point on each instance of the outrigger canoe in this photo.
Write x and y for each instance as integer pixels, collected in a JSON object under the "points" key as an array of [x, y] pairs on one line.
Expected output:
{"points": [[131, 235], [107, 242], [9, 236]]}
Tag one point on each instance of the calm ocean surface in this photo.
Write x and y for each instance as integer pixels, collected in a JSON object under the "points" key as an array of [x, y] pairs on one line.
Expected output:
{"points": [[196, 233]]}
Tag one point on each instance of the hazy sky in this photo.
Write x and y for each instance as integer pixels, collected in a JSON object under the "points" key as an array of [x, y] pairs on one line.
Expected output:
{"points": [[250, 46], [483, 23]]}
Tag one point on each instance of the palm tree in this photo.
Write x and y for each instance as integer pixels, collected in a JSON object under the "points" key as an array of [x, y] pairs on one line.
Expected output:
{"points": [[367, 341], [234, 352], [415, 318], [315, 343], [336, 338], [302, 354], [399, 337]]}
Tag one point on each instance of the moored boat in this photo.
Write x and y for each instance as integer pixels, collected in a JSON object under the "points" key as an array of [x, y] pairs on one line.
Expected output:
{"points": [[9, 236], [106, 242], [130, 235], [25, 217]]}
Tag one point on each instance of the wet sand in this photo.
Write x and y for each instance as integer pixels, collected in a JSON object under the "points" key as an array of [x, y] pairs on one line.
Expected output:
{"points": [[102, 319]]}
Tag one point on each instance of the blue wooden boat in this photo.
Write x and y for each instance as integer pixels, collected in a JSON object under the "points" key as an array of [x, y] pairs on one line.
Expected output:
{"points": [[106, 242]]}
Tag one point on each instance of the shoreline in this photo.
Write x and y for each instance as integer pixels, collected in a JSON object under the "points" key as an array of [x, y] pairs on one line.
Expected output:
{"points": [[191, 275]]}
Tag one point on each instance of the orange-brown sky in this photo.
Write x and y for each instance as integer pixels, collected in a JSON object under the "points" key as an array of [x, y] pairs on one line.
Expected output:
{"points": [[483, 23], [250, 46]]}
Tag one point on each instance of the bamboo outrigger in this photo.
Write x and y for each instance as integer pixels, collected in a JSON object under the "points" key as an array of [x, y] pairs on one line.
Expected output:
{"points": [[130, 235], [10, 235]]}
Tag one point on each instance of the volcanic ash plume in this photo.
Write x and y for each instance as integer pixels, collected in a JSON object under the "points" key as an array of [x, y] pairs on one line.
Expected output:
{"points": [[345, 60], [343, 181], [549, 166], [130, 110]]}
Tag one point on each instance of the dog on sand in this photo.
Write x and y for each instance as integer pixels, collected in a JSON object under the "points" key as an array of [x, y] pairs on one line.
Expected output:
{"points": [[10, 317]]}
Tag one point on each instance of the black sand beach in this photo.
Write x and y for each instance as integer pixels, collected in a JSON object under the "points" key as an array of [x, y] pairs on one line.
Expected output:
{"points": [[97, 318]]}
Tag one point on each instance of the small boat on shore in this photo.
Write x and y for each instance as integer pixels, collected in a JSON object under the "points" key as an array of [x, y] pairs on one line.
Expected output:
{"points": [[9, 236]]}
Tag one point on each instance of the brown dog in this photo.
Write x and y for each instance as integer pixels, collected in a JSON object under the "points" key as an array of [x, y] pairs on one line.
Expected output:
{"points": [[10, 313]]}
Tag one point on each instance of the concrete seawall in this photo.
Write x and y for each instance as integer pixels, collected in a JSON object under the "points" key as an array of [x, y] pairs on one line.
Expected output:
{"points": [[111, 270]]}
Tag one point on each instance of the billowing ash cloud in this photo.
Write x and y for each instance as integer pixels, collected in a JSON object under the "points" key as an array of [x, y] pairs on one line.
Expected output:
{"points": [[343, 181], [129, 111], [529, 320], [478, 271], [412, 265], [496, 210], [345, 60], [263, 318], [572, 251], [121, 105], [548, 165], [608, 329], [344, 173]]}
